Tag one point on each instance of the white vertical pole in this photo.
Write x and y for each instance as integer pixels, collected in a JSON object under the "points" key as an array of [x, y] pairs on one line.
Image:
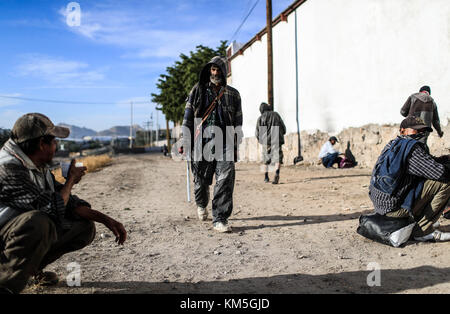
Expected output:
{"points": [[131, 127]]}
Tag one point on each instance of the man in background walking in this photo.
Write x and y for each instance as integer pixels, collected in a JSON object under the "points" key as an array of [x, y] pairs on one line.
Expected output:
{"points": [[422, 105], [270, 130]]}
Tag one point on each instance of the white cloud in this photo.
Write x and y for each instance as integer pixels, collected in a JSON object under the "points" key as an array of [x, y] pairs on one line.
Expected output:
{"points": [[59, 72], [144, 35]]}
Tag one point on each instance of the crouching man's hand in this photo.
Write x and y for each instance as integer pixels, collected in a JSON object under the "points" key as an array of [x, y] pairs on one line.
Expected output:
{"points": [[117, 229]]}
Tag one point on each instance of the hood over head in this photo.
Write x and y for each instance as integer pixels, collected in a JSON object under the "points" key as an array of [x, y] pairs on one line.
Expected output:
{"points": [[265, 107], [206, 73], [423, 97]]}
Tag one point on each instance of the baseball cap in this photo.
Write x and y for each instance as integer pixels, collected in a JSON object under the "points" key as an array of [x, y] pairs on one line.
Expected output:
{"points": [[415, 123], [34, 125], [333, 138]]}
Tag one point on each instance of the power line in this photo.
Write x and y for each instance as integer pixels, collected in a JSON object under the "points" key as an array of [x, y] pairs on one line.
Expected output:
{"points": [[245, 19], [71, 102]]}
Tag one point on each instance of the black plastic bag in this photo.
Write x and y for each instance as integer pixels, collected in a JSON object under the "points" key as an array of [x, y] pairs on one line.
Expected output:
{"points": [[386, 230]]}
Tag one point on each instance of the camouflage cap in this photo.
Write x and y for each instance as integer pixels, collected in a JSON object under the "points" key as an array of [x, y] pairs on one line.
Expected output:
{"points": [[35, 125]]}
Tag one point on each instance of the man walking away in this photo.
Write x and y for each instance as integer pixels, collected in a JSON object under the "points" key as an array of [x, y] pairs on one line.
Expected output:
{"points": [[270, 124], [422, 105]]}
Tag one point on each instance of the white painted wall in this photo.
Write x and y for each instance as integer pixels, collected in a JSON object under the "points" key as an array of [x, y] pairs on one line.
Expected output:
{"points": [[359, 60]]}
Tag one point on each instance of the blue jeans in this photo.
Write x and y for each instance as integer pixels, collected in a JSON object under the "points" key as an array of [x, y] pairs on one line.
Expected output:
{"points": [[329, 160]]}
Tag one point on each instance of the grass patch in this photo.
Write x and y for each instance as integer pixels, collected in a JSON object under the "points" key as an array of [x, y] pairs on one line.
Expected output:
{"points": [[92, 163]]}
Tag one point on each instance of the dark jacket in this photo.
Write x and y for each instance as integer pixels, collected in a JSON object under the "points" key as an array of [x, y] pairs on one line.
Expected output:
{"points": [[389, 174], [23, 187], [423, 106], [266, 121], [197, 103], [399, 173]]}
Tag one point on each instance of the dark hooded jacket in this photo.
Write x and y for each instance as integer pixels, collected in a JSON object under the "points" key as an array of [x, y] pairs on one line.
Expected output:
{"points": [[266, 122], [228, 106], [422, 105]]}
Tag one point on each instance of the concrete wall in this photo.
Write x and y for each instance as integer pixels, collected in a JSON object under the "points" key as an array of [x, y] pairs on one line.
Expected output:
{"points": [[359, 60], [365, 143]]}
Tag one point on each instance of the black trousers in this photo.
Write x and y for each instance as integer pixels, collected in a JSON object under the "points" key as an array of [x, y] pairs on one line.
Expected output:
{"points": [[222, 203]]}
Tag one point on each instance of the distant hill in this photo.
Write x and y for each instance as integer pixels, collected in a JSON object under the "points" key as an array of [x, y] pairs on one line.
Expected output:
{"points": [[119, 131], [78, 132]]}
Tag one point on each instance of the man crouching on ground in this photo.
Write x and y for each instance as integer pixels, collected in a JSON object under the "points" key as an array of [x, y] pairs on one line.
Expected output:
{"points": [[408, 181], [40, 220]]}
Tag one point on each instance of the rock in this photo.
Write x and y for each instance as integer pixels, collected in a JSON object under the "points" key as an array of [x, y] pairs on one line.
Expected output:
{"points": [[238, 253], [217, 253], [105, 235]]}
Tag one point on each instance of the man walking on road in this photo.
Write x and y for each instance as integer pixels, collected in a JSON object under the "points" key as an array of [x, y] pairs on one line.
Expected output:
{"points": [[422, 105], [270, 125], [213, 109]]}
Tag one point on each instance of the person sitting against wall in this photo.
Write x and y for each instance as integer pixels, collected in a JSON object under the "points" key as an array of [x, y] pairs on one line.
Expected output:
{"points": [[328, 155]]}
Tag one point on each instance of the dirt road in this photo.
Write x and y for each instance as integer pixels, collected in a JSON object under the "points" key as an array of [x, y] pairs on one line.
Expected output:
{"points": [[295, 237]]}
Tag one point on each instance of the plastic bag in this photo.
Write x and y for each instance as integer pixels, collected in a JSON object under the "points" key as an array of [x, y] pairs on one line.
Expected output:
{"points": [[387, 230]]}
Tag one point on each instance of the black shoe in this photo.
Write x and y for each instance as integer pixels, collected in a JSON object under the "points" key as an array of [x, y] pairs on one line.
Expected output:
{"points": [[276, 179], [447, 215], [266, 179]]}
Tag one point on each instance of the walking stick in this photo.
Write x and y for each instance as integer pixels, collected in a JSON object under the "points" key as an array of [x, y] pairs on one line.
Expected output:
{"points": [[188, 181]]}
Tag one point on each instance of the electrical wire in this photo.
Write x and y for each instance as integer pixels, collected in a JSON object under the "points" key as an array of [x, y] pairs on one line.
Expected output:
{"points": [[243, 22], [70, 102]]}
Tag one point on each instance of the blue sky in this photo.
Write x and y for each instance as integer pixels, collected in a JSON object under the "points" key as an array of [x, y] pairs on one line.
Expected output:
{"points": [[114, 57]]}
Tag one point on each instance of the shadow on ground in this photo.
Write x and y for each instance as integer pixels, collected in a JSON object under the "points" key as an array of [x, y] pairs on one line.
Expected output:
{"points": [[392, 281], [295, 220]]}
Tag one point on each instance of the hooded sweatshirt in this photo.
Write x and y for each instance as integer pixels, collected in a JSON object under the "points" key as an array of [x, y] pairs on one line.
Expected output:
{"points": [[422, 105], [228, 110], [266, 122]]}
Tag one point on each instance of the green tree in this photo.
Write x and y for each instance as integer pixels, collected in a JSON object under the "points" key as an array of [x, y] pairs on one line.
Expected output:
{"points": [[175, 85]]}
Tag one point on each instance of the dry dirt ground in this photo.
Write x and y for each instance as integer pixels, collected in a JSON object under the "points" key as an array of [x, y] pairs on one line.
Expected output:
{"points": [[295, 237]]}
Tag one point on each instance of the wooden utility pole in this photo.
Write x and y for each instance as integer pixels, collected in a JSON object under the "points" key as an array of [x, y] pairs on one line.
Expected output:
{"points": [[269, 53]]}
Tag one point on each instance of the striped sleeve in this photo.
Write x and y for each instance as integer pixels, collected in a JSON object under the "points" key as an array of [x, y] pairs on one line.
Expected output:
{"points": [[19, 192], [422, 164]]}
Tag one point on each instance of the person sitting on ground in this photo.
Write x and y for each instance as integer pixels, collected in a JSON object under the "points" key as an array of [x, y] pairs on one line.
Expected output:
{"points": [[408, 182], [328, 155], [40, 220], [272, 151]]}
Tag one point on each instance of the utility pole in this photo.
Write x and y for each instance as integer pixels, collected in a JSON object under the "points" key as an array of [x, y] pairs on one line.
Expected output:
{"points": [[131, 127], [157, 127], [269, 53], [151, 129]]}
